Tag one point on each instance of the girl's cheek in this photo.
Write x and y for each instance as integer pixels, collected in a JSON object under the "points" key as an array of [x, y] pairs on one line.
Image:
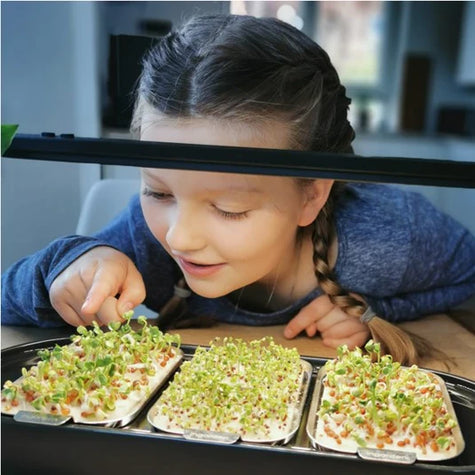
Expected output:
{"points": [[159, 230], [156, 222]]}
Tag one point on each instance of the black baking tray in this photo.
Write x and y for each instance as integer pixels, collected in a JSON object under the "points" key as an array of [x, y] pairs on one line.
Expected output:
{"points": [[138, 448]]}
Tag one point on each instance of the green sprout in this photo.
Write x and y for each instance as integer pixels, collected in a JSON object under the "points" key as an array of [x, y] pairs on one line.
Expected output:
{"points": [[235, 386], [377, 397], [95, 371]]}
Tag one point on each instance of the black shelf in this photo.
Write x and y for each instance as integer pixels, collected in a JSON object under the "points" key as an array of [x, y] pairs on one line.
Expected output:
{"points": [[404, 170]]}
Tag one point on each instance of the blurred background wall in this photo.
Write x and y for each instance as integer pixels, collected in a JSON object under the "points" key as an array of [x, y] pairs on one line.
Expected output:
{"points": [[408, 67]]}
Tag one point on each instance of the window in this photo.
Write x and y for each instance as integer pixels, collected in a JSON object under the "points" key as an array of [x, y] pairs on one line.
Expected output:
{"points": [[286, 11], [352, 34]]}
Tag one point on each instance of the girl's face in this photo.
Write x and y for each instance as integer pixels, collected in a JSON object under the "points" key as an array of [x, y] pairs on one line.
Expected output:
{"points": [[224, 230]]}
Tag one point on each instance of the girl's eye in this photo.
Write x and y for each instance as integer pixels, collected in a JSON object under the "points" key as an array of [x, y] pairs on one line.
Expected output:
{"points": [[158, 195], [231, 215]]}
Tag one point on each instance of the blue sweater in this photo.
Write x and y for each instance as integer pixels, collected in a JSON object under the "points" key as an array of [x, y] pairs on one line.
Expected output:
{"points": [[404, 256]]}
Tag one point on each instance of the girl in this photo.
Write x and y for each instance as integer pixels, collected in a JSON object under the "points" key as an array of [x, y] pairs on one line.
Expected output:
{"points": [[255, 250]]}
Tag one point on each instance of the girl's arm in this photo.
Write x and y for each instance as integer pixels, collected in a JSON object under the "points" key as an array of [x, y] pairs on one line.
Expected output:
{"points": [[440, 272], [25, 285], [427, 259], [410, 306]]}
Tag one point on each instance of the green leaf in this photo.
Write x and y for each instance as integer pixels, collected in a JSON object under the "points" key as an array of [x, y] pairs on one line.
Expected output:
{"points": [[8, 132]]}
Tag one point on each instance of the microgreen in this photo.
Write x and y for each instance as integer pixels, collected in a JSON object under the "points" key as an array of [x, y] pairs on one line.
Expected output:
{"points": [[234, 386], [94, 372], [381, 402]]}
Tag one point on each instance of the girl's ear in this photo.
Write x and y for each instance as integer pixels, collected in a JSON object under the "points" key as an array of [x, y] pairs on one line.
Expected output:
{"points": [[315, 197]]}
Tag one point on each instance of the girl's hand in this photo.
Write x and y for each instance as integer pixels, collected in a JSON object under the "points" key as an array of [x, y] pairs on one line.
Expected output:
{"points": [[85, 291], [334, 325]]}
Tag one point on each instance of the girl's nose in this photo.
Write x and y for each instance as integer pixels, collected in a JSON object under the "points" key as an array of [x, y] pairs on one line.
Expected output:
{"points": [[185, 232]]}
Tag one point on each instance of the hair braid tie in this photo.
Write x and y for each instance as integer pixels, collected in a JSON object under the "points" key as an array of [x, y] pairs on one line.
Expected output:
{"points": [[368, 315], [181, 292], [175, 312]]}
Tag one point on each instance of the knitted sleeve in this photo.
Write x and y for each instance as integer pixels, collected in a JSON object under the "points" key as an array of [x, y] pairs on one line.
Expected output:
{"points": [[403, 255], [26, 284]]}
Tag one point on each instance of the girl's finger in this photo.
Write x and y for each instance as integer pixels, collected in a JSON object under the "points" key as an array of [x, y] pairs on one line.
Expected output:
{"points": [[68, 303], [357, 339], [101, 288], [302, 320], [311, 330], [308, 315], [132, 292], [335, 316], [344, 328], [108, 311], [69, 315]]}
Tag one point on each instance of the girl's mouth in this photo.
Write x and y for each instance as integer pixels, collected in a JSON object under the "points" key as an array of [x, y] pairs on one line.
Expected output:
{"points": [[199, 270]]}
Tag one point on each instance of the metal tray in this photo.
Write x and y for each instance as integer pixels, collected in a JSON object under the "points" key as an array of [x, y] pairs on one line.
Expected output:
{"points": [[27, 413], [140, 448], [401, 455], [229, 438]]}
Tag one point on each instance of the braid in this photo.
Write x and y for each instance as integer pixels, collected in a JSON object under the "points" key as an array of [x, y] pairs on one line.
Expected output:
{"points": [[405, 347], [323, 233]]}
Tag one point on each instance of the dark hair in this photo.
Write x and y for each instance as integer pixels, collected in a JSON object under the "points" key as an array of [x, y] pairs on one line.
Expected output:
{"points": [[242, 68], [247, 69]]}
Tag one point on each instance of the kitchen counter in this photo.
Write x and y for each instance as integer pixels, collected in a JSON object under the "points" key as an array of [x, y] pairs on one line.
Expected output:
{"points": [[445, 333]]}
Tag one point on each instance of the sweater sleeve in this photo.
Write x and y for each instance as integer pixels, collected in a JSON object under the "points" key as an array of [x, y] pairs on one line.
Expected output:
{"points": [[413, 305], [440, 269], [423, 264], [25, 285]]}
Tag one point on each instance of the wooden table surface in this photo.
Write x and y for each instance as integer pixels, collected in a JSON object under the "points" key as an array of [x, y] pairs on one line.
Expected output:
{"points": [[444, 332]]}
